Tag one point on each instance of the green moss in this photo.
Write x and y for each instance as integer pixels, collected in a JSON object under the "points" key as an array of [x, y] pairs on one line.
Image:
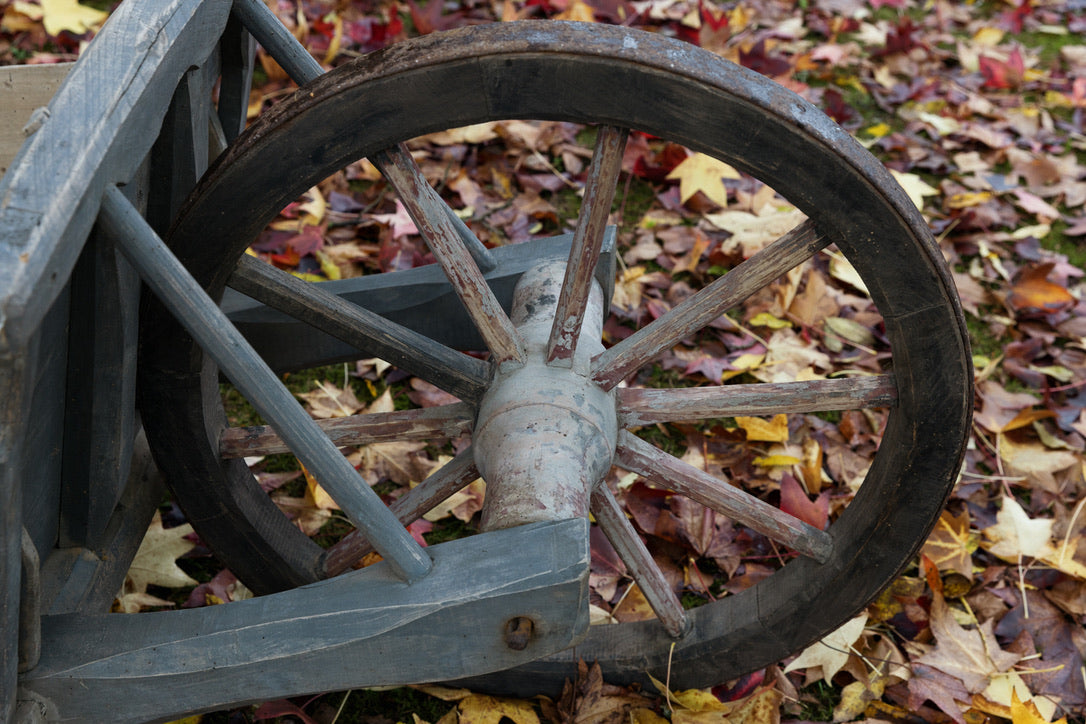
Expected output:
{"points": [[818, 701], [1046, 45], [1057, 241], [981, 338], [449, 529]]}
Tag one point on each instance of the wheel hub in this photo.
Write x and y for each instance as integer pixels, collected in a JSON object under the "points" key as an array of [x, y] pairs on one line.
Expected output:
{"points": [[545, 434]]}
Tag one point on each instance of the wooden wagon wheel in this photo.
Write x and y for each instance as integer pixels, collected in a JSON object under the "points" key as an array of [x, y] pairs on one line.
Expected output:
{"points": [[620, 79]]}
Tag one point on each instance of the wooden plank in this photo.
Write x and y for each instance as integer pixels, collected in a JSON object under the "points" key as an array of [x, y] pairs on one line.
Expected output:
{"points": [[641, 406], [430, 423], [786, 253], [203, 319], [23, 90], [365, 628], [101, 125]]}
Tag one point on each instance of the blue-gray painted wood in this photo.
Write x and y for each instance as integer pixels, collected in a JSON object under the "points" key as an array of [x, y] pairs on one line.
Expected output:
{"points": [[203, 319], [277, 40], [459, 374], [365, 628], [419, 299], [237, 51], [101, 124], [87, 579]]}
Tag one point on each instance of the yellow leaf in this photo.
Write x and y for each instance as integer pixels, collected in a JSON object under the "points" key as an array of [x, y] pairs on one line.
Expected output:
{"points": [[988, 37], [856, 696], [61, 15], [156, 560], [950, 546], [480, 709], [743, 363], [878, 130], [762, 707], [831, 653], [703, 173], [1015, 534], [328, 267], [969, 198], [315, 494], [757, 429], [698, 700], [915, 187], [1028, 713], [777, 461], [765, 319], [578, 11]]}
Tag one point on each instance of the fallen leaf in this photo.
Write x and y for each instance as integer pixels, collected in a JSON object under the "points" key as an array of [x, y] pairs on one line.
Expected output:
{"points": [[699, 172], [1033, 294], [481, 709], [761, 430], [68, 15], [972, 656], [951, 544], [831, 653], [156, 560], [1016, 535]]}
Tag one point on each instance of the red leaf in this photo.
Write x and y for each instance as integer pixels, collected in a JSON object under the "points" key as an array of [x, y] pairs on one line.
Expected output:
{"points": [[795, 502], [1000, 74]]}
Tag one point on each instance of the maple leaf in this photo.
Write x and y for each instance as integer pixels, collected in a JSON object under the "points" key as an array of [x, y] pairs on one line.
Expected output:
{"points": [[699, 172], [156, 560], [930, 684], [971, 655], [758, 429], [1016, 535], [68, 15], [831, 653], [951, 544]]}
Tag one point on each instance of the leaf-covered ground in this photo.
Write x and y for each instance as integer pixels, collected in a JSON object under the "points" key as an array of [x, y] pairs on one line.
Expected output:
{"points": [[978, 110]]}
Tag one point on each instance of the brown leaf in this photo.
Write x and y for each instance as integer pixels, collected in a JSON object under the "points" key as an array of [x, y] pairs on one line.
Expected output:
{"points": [[971, 655], [1033, 294], [951, 544]]}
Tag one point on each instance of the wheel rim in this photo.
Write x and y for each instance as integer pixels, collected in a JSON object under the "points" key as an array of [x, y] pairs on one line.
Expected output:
{"points": [[568, 72]]}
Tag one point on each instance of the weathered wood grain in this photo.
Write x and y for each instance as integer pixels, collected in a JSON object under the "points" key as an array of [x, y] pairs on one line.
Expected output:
{"points": [[429, 423], [631, 549], [101, 125], [669, 472], [587, 242], [637, 350], [645, 406], [365, 628], [371, 334], [442, 237]]}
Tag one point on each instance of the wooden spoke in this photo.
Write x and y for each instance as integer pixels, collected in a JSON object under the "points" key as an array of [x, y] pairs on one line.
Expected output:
{"points": [[291, 55], [441, 235], [631, 549], [788, 252], [637, 456], [430, 423], [207, 324], [457, 373], [650, 406], [587, 242], [452, 476]]}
